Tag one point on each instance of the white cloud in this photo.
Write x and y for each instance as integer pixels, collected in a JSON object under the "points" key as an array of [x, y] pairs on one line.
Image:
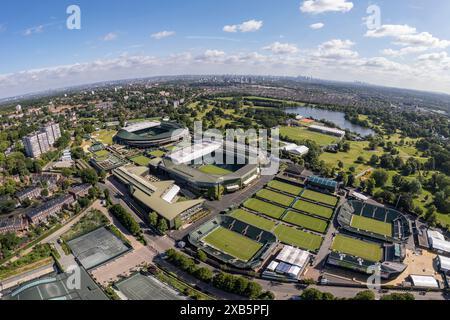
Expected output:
{"points": [[403, 51], [33, 30], [162, 34], [110, 36], [247, 26], [282, 48], [336, 49], [317, 26], [405, 35], [321, 6]]}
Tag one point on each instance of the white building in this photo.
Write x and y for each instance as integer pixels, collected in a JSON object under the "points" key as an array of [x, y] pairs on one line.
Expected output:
{"points": [[444, 264], [438, 243], [295, 149], [196, 151], [141, 126], [424, 282], [290, 263], [327, 130], [42, 141]]}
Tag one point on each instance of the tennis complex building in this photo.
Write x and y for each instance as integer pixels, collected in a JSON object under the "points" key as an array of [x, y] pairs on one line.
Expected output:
{"points": [[150, 134], [207, 165], [160, 197]]}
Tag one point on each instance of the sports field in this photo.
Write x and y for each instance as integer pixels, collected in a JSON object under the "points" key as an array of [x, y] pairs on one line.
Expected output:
{"points": [[285, 187], [275, 197], [233, 243], [298, 238], [253, 219], [141, 160], [371, 225], [362, 249], [313, 208], [104, 136], [157, 153], [264, 208], [305, 221], [320, 197], [214, 170]]}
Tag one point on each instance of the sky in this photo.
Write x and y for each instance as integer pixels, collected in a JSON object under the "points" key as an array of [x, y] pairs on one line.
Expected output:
{"points": [[401, 43]]}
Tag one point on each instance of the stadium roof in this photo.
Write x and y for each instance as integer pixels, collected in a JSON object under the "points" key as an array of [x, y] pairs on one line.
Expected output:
{"points": [[152, 194], [196, 151], [444, 263], [141, 126], [424, 281]]}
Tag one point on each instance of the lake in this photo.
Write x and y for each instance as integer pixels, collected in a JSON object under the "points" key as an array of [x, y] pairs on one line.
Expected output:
{"points": [[338, 118]]}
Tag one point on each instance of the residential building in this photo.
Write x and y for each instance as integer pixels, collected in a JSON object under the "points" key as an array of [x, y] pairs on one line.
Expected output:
{"points": [[13, 224], [29, 193], [49, 208], [42, 141]]}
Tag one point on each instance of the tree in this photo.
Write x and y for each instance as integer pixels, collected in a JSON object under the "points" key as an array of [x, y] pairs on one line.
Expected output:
{"points": [[89, 176], [398, 296], [204, 274], [381, 177], [162, 225], [201, 255], [312, 294], [374, 160], [153, 218], [365, 295]]}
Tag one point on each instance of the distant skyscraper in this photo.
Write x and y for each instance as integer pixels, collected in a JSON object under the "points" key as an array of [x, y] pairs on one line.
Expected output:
{"points": [[42, 141]]}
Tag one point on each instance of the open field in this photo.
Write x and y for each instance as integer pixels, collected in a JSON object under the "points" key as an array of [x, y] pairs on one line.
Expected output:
{"points": [[275, 197], [305, 221], [253, 219], [104, 136], [264, 208], [299, 134], [157, 153], [320, 197], [312, 208], [214, 170], [365, 250], [141, 160], [285, 187], [233, 243], [298, 238], [371, 225]]}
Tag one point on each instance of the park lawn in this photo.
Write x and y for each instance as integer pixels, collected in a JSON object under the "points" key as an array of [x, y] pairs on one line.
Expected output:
{"points": [[141, 160], [362, 249], [372, 225], [285, 187], [313, 208], [253, 219], [297, 238], [305, 221], [157, 153], [320, 197], [233, 243], [264, 208], [301, 134], [275, 197], [214, 170], [105, 136]]}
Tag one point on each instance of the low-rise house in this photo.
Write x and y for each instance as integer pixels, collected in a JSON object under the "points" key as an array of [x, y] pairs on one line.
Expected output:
{"points": [[13, 224], [49, 208], [80, 191], [29, 193]]}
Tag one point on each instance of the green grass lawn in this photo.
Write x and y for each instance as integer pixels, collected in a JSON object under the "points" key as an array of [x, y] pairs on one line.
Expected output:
{"points": [[275, 197], [305, 221], [233, 243], [264, 208], [214, 170], [101, 154], [90, 222], [157, 153], [371, 225], [320, 197], [365, 250], [105, 136], [312, 208], [253, 219], [141, 160], [298, 238], [301, 133], [285, 187]]}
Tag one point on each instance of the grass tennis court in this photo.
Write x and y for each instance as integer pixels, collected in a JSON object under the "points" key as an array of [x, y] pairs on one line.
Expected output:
{"points": [[371, 225], [275, 197], [298, 238], [320, 197], [305, 221], [214, 170], [313, 208], [365, 250], [264, 208], [141, 160], [300, 134], [253, 219], [233, 243], [285, 187], [157, 153]]}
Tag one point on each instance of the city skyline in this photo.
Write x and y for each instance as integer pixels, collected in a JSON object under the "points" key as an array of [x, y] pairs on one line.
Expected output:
{"points": [[327, 39]]}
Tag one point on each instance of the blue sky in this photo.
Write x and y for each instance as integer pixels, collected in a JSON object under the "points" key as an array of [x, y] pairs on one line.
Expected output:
{"points": [[410, 47]]}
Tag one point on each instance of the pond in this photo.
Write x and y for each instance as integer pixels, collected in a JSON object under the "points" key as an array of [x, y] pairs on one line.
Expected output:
{"points": [[338, 118]]}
